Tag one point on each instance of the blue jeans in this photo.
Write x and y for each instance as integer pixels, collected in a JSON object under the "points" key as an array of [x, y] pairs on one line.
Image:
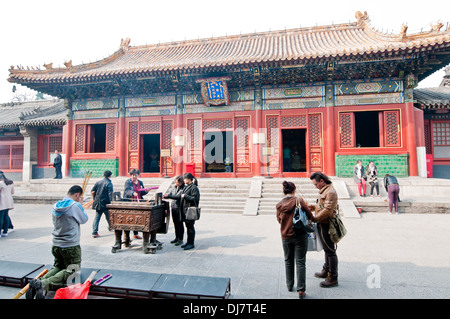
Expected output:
{"points": [[295, 256], [4, 220], [98, 215]]}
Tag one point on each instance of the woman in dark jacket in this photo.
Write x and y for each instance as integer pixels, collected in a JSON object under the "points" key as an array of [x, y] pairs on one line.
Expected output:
{"points": [[295, 242], [175, 194], [393, 190], [190, 197]]}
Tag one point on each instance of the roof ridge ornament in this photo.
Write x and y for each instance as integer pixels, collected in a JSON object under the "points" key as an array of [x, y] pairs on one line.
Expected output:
{"points": [[68, 64], [124, 44], [48, 66], [363, 19], [403, 30], [435, 28]]}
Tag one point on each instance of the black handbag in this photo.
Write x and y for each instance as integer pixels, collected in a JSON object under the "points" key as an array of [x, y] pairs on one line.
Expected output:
{"points": [[192, 213], [300, 220]]}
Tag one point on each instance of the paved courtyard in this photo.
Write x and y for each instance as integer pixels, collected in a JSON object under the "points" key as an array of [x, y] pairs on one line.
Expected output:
{"points": [[382, 256]]}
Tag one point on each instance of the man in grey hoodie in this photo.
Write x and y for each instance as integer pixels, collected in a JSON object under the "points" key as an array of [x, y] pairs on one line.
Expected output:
{"points": [[68, 215]]}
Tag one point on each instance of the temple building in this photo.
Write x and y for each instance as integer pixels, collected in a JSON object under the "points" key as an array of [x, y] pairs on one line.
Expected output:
{"points": [[285, 103]]}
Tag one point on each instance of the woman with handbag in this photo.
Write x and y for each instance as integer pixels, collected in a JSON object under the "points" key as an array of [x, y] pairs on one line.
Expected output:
{"points": [[190, 197], [325, 209], [175, 194], [295, 241]]}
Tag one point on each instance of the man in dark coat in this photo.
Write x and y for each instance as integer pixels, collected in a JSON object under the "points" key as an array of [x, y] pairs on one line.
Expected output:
{"points": [[102, 193], [57, 163]]}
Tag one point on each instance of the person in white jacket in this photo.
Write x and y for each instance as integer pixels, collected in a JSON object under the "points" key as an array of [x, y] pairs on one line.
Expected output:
{"points": [[68, 215], [6, 203]]}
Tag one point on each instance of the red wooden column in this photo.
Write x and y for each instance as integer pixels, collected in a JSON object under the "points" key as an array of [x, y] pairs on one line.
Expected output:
{"points": [[122, 147], [329, 142], [410, 136], [258, 122], [179, 149], [68, 145]]}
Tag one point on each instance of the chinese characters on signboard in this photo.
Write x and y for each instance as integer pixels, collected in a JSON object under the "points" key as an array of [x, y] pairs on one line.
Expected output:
{"points": [[215, 91]]}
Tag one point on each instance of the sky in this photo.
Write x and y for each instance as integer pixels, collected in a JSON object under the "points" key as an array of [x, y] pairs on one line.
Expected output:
{"points": [[34, 32]]}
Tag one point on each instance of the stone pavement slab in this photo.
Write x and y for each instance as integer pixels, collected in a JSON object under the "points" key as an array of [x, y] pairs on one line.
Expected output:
{"points": [[382, 255]]}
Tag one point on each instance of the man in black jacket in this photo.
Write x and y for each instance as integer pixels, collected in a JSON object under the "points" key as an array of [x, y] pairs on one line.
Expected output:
{"points": [[57, 163], [102, 193]]}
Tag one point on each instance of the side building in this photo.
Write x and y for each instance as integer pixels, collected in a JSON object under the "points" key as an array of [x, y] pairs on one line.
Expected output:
{"points": [[30, 132]]}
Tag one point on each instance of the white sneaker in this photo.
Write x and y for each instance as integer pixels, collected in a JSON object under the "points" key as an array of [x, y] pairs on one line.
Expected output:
{"points": [[5, 235]]}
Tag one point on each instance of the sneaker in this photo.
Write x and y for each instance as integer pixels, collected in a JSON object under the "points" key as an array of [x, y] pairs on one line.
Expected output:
{"points": [[5, 235], [174, 241], [184, 245], [137, 237], [95, 235]]}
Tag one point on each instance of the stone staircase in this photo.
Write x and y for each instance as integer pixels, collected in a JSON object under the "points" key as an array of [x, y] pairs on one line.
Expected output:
{"points": [[223, 195], [272, 193]]}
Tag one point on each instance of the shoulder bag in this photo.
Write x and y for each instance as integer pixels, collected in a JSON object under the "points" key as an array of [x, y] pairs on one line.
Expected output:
{"points": [[192, 213], [337, 229]]}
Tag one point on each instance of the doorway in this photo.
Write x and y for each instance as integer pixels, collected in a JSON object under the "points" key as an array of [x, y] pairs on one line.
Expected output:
{"points": [[151, 153], [294, 150], [218, 152], [367, 129]]}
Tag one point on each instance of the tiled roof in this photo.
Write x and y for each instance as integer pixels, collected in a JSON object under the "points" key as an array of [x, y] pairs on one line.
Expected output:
{"points": [[286, 46], [433, 98], [33, 113]]}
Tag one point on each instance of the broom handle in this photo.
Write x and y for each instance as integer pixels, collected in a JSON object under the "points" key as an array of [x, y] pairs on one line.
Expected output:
{"points": [[24, 289]]}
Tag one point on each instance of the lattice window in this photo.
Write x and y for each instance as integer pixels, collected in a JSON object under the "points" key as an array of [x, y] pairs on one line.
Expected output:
{"points": [[134, 136], [441, 133], [221, 124], [242, 136], [150, 127], [110, 137], [272, 131], [167, 137], [347, 129], [314, 130], [392, 128], [80, 139], [195, 132], [11, 156], [55, 143], [293, 121]]}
